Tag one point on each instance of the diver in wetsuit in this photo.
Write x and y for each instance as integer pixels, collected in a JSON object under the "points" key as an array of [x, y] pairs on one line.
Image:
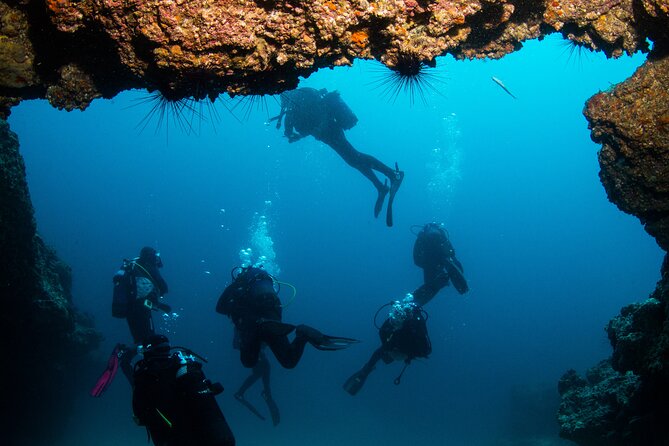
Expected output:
{"points": [[174, 400], [403, 336], [138, 289], [252, 303], [434, 252], [323, 115]]}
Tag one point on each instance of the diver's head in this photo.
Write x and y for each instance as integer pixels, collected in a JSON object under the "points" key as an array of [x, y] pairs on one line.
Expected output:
{"points": [[150, 257], [255, 280], [155, 346]]}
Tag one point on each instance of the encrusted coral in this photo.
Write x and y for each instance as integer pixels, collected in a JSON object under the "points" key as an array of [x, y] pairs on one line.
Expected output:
{"points": [[596, 411], [16, 50], [46, 336], [187, 47], [74, 83], [632, 123], [623, 400]]}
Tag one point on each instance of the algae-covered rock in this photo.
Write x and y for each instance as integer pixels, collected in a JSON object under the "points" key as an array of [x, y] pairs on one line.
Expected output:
{"points": [[46, 339]]}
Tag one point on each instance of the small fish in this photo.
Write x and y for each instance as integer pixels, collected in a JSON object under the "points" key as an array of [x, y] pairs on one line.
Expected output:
{"points": [[499, 82]]}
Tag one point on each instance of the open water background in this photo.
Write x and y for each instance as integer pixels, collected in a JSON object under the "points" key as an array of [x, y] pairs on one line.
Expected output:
{"points": [[549, 260]]}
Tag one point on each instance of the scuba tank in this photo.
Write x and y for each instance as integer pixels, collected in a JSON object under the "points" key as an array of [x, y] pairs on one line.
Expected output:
{"points": [[124, 290], [173, 398], [404, 333], [432, 246], [252, 289]]}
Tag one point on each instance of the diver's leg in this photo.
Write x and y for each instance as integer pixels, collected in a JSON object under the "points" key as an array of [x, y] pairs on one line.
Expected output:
{"points": [[287, 353], [140, 322], [423, 294], [249, 347], [362, 162], [125, 363], [435, 280], [355, 382], [256, 374], [371, 363], [264, 369], [435, 277]]}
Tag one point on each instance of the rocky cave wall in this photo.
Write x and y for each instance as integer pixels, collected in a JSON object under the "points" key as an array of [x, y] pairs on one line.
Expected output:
{"points": [[622, 401], [74, 51], [45, 338]]}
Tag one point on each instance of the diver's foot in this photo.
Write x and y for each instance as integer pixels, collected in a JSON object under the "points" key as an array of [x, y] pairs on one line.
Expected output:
{"points": [[395, 183], [240, 397], [273, 408], [321, 341], [382, 191], [355, 382]]}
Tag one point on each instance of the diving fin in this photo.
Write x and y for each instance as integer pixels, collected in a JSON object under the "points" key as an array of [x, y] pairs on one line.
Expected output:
{"points": [[107, 376], [381, 198], [321, 341], [239, 397], [355, 382], [273, 408], [276, 328], [456, 276], [394, 186], [334, 343]]}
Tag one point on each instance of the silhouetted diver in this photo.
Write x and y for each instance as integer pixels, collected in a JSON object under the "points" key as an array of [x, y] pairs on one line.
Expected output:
{"points": [[323, 115]]}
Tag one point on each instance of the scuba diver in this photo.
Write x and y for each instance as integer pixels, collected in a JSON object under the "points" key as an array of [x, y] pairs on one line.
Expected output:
{"points": [[260, 371], [403, 336], [138, 290], [325, 116], [174, 400], [434, 252], [253, 305]]}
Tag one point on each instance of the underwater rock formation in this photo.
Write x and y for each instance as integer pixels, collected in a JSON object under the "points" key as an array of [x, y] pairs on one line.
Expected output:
{"points": [[632, 123], [73, 51], [623, 400], [596, 411], [46, 338]]}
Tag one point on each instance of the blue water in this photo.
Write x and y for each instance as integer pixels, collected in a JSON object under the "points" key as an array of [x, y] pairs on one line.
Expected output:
{"points": [[549, 260]]}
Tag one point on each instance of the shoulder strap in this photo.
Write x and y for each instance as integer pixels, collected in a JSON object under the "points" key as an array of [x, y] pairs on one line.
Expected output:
{"points": [[148, 275]]}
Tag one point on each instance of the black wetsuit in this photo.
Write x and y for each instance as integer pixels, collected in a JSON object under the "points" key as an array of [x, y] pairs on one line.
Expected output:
{"points": [[434, 253], [250, 302], [404, 343], [147, 284], [314, 112], [261, 371], [176, 403], [139, 317], [325, 116]]}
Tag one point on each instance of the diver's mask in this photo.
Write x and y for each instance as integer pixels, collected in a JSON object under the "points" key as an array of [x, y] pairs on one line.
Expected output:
{"points": [[159, 261]]}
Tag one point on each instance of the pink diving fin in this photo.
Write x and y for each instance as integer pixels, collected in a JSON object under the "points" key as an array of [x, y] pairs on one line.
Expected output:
{"points": [[108, 375]]}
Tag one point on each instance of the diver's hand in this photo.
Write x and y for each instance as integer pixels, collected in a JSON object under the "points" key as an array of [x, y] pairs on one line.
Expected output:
{"points": [[164, 307]]}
